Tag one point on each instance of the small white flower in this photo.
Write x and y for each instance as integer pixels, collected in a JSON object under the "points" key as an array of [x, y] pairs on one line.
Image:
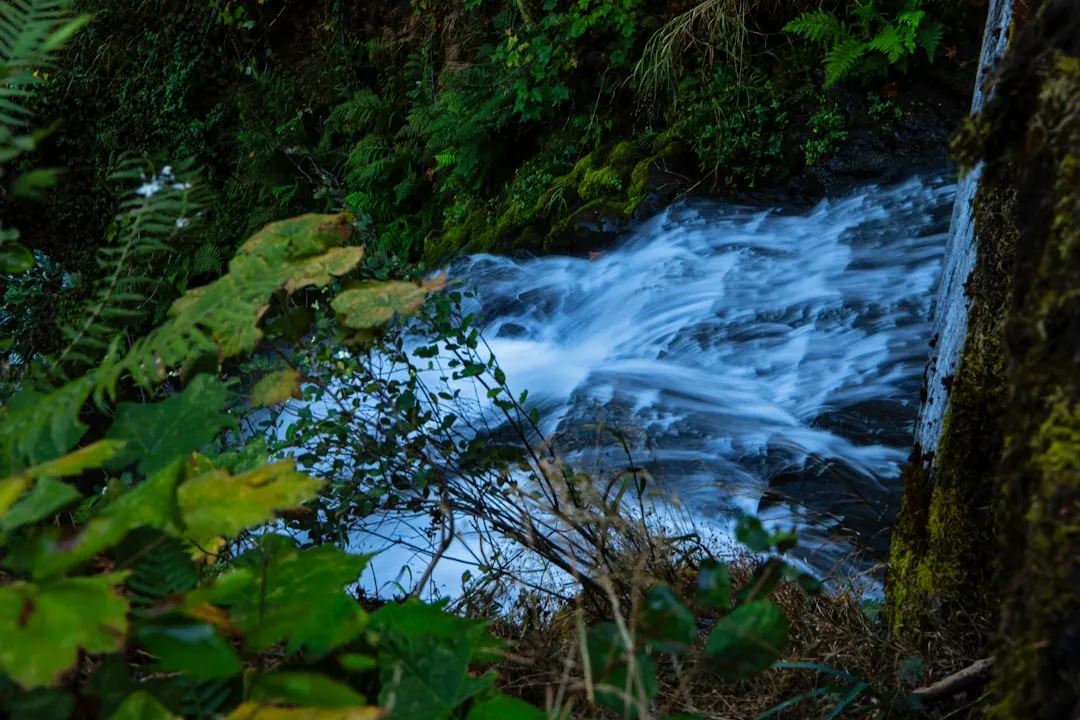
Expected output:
{"points": [[148, 189], [182, 222]]}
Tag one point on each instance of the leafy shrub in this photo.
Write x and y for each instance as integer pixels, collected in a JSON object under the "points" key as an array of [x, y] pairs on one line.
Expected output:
{"points": [[736, 129], [827, 127], [873, 41]]}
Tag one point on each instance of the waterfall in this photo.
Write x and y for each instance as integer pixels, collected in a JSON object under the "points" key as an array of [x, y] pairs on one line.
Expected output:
{"points": [[951, 314]]}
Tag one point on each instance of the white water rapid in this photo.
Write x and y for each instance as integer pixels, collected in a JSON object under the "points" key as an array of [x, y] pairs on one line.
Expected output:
{"points": [[765, 361], [758, 360]]}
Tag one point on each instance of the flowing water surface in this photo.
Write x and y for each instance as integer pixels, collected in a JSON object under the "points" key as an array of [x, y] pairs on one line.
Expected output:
{"points": [[760, 360]]}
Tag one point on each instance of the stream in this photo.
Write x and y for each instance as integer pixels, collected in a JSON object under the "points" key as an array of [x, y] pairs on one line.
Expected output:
{"points": [[758, 360]]}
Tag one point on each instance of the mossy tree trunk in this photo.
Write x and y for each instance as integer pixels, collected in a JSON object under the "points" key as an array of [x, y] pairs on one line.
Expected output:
{"points": [[996, 525]]}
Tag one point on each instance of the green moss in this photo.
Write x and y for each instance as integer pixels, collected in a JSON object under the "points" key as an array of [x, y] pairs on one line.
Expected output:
{"points": [[600, 183], [623, 154]]}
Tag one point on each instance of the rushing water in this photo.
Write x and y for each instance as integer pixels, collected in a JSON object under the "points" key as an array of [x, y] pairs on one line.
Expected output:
{"points": [[764, 361], [757, 360]]}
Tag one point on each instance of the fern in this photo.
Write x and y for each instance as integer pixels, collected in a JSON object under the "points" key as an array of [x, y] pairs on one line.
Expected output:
{"points": [[873, 42], [163, 205], [164, 570], [892, 42], [929, 38], [820, 27], [842, 59], [31, 31], [206, 260]]}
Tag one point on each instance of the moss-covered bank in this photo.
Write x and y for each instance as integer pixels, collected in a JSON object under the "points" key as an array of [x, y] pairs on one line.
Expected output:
{"points": [[1000, 514]]}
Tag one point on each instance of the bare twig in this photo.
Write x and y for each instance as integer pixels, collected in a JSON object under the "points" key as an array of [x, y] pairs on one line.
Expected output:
{"points": [[970, 677]]}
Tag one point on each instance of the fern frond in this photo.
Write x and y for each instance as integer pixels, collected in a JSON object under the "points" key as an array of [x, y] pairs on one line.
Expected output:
{"points": [[842, 59], [31, 31], [891, 42], [358, 113], [166, 569], [200, 699], [819, 26], [164, 204], [929, 38], [207, 259]]}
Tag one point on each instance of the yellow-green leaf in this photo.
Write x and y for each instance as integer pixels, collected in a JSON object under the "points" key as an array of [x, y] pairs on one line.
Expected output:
{"points": [[151, 504], [218, 504], [255, 711], [11, 489], [300, 236], [289, 254], [373, 304], [142, 705], [43, 627], [277, 387], [306, 689], [74, 463], [48, 497], [320, 270]]}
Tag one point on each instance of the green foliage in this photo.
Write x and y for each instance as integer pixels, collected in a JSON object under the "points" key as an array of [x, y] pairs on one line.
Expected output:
{"points": [[872, 41], [828, 130], [152, 433], [737, 128]]}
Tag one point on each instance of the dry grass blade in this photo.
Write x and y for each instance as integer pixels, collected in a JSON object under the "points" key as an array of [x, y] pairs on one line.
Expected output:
{"points": [[712, 28]]}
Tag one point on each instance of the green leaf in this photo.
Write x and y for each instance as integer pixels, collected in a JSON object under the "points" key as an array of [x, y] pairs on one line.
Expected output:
{"points": [[255, 711], [354, 662], [763, 581], [413, 619], [748, 640], [373, 304], [714, 584], [151, 504], [271, 595], [36, 428], [155, 434], [47, 498], [503, 707], [428, 677], [31, 183], [277, 387], [666, 622], [304, 689], [619, 692], [14, 258], [283, 254], [750, 532], [44, 626], [194, 649], [142, 705], [216, 504]]}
